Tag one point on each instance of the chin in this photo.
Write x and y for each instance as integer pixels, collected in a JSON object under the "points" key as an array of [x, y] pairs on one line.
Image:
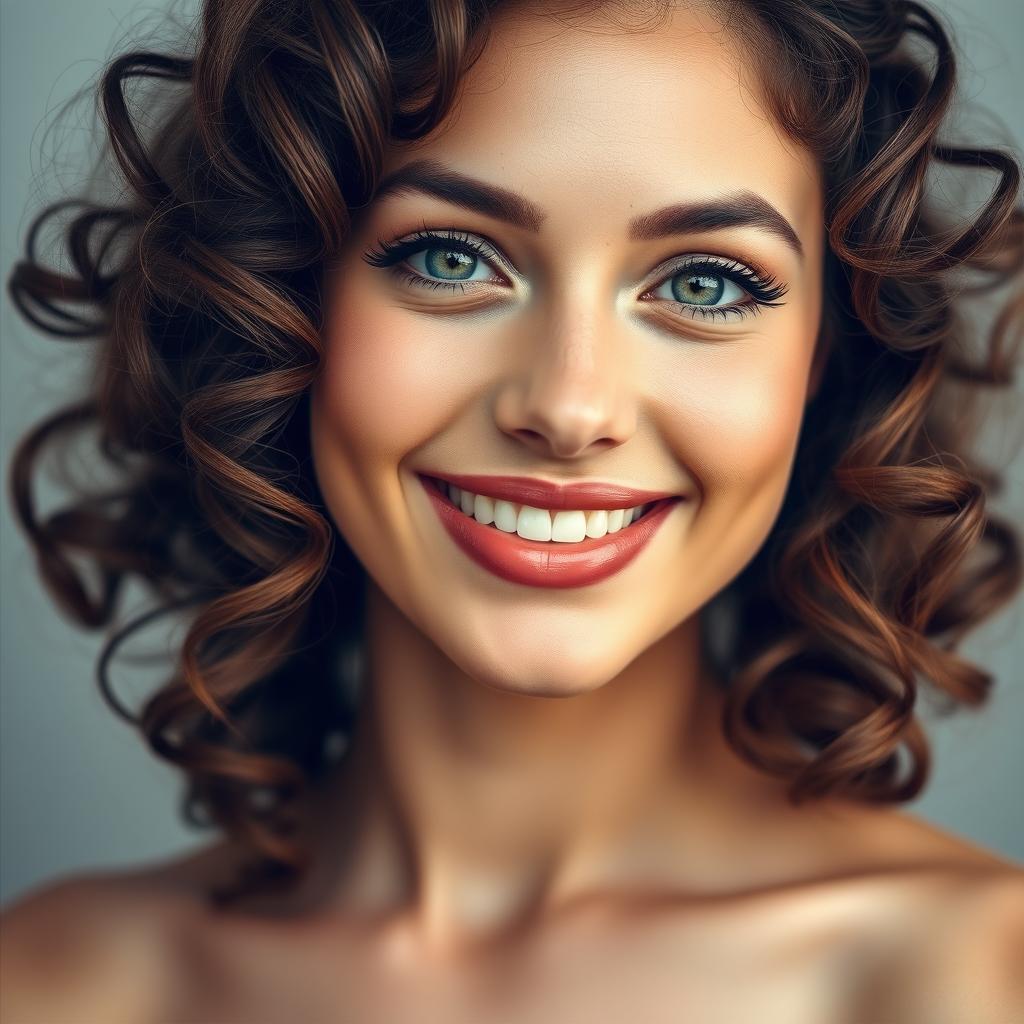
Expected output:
{"points": [[535, 673], [547, 687]]}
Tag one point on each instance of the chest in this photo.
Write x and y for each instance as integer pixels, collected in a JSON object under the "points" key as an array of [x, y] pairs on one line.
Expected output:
{"points": [[707, 971]]}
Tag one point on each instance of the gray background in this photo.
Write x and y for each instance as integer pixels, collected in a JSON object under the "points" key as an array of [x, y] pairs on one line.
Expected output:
{"points": [[79, 788]]}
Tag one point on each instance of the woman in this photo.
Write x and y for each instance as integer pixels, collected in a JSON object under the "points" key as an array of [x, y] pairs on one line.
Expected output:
{"points": [[554, 418]]}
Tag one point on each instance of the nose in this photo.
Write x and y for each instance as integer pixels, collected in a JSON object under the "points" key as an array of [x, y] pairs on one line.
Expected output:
{"points": [[573, 395]]}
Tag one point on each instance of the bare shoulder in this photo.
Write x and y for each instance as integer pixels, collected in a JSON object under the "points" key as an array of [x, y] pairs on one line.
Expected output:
{"points": [[100, 947], [948, 938], [952, 950]]}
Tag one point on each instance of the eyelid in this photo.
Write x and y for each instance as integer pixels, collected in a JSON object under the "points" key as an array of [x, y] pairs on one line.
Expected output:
{"points": [[391, 254], [763, 289]]}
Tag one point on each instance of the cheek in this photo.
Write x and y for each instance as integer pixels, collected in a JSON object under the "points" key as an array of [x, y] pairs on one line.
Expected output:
{"points": [[378, 391], [374, 404], [735, 413], [734, 418], [753, 414]]}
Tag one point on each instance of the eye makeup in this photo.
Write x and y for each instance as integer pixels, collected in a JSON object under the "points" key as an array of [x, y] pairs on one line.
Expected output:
{"points": [[390, 255], [702, 271]]}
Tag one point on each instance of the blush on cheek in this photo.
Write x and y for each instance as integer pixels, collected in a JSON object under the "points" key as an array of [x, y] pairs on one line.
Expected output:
{"points": [[760, 426], [739, 446], [735, 417], [381, 380], [757, 427]]}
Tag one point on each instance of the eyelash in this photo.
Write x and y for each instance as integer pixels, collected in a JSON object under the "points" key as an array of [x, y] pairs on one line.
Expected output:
{"points": [[763, 290]]}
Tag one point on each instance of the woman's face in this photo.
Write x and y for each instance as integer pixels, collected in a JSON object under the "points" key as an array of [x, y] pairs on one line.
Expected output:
{"points": [[573, 335]]}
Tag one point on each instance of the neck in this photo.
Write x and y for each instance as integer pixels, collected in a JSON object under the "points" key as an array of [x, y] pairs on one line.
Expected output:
{"points": [[467, 809]]}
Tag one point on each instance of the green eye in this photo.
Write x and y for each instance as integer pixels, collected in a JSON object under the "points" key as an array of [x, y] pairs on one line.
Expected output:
{"points": [[438, 260], [701, 288], [448, 264], [702, 285], [715, 287]]}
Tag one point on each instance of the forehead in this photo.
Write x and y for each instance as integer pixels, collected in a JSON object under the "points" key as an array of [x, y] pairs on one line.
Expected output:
{"points": [[591, 112]]}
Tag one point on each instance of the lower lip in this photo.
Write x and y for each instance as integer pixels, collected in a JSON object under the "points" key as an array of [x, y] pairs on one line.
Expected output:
{"points": [[546, 563]]}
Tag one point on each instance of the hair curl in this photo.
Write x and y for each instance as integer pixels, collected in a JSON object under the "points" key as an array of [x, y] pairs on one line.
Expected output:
{"points": [[202, 286]]}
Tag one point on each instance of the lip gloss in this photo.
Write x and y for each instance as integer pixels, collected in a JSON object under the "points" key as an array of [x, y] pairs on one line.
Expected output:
{"points": [[546, 563]]}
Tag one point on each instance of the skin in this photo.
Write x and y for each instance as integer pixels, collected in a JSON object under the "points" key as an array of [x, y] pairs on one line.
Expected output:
{"points": [[539, 817], [574, 724]]}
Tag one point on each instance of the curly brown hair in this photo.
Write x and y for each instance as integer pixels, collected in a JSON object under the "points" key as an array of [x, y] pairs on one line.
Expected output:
{"points": [[202, 286]]}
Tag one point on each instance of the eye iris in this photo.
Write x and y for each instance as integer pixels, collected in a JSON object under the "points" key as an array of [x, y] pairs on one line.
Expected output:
{"points": [[698, 289], [450, 264]]}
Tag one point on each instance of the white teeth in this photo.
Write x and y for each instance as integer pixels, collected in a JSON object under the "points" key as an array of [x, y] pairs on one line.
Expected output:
{"points": [[567, 526], [533, 523], [483, 509], [505, 516], [597, 523]]}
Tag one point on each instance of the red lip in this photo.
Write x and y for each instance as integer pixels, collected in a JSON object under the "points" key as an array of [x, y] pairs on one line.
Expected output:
{"points": [[541, 494], [546, 564]]}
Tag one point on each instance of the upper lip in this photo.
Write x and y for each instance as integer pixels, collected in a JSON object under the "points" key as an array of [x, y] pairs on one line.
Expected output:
{"points": [[546, 494]]}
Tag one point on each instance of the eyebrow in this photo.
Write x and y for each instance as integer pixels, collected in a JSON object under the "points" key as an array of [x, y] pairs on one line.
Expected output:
{"points": [[735, 209]]}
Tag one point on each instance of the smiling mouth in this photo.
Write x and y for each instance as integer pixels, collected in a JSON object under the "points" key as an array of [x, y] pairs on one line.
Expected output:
{"points": [[529, 551], [539, 525]]}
